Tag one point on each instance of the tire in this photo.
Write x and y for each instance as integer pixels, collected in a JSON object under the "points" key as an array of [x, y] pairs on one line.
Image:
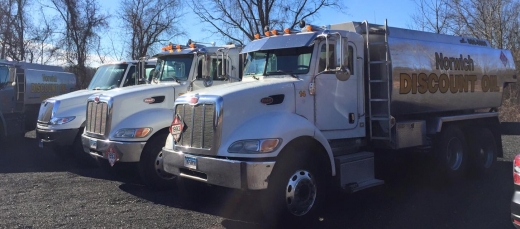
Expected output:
{"points": [[483, 152], [451, 151], [150, 164], [80, 156], [296, 190]]}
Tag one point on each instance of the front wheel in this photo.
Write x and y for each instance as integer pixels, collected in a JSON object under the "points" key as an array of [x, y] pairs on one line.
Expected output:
{"points": [[151, 164], [296, 191], [82, 158]]}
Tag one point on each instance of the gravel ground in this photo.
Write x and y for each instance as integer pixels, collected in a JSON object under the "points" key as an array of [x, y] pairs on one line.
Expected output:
{"points": [[40, 190]]}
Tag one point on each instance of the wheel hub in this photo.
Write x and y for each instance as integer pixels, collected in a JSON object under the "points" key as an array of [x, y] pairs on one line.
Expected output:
{"points": [[159, 168], [454, 156], [300, 193]]}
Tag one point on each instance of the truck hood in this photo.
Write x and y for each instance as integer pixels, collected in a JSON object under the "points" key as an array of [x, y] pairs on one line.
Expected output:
{"points": [[241, 103], [129, 109], [74, 98], [245, 89], [134, 90]]}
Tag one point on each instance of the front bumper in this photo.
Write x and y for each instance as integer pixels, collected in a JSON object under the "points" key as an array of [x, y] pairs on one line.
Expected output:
{"points": [[515, 208], [222, 172], [56, 138], [126, 151]]}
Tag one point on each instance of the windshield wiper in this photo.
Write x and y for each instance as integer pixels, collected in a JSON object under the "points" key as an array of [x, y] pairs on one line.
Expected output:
{"points": [[283, 72], [253, 75]]}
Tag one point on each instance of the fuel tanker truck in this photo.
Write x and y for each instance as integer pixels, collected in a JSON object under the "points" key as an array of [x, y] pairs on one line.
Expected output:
{"points": [[23, 86], [316, 106], [61, 118], [130, 125]]}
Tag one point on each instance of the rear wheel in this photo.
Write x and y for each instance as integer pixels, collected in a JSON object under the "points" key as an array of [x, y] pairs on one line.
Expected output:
{"points": [[483, 151], [151, 164], [451, 151]]}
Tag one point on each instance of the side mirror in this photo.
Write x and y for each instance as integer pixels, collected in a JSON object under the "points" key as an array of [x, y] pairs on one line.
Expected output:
{"points": [[12, 75], [208, 81], [223, 71], [342, 74]]}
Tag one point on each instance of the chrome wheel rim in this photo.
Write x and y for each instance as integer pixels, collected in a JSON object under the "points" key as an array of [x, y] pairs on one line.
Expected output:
{"points": [[455, 154], [487, 156], [300, 193], [159, 170]]}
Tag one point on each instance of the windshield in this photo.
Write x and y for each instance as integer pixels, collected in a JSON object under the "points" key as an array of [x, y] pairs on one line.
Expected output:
{"points": [[278, 61], [4, 74], [108, 77], [173, 68]]}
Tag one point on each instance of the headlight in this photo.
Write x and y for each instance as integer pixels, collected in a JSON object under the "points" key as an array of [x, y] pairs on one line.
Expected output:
{"points": [[61, 120], [133, 132], [254, 146]]}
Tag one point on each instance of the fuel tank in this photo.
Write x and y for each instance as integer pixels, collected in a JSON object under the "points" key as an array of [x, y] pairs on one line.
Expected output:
{"points": [[430, 72]]}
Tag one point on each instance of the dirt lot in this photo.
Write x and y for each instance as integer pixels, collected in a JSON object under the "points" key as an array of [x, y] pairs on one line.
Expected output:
{"points": [[40, 190]]}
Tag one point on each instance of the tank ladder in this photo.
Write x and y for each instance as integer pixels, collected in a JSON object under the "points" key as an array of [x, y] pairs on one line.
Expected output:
{"points": [[20, 90], [379, 85]]}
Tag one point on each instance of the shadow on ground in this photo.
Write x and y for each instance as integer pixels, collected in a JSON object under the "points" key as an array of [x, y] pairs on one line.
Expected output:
{"points": [[410, 198]]}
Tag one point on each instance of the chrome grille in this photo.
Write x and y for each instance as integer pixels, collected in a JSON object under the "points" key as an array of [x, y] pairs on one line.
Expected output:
{"points": [[199, 121], [96, 117], [45, 112]]}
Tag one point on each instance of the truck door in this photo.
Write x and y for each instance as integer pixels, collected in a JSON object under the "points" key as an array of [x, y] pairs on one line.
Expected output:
{"points": [[7, 95], [336, 101]]}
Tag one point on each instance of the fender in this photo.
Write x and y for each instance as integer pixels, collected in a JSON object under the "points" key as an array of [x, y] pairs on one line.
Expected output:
{"points": [[284, 125], [157, 119]]}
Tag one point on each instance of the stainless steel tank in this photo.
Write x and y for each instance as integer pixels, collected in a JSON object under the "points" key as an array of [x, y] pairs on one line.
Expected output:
{"points": [[42, 84], [434, 72]]}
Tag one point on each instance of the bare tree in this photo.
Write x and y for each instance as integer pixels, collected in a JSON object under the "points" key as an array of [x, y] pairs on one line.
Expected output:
{"points": [[494, 20], [239, 20], [432, 15], [83, 20], [42, 38], [150, 22], [13, 26]]}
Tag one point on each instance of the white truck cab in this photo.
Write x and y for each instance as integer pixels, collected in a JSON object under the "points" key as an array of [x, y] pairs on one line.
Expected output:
{"points": [[131, 124], [62, 118]]}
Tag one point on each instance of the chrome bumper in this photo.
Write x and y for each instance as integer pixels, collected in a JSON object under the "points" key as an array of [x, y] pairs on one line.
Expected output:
{"points": [[222, 172], [126, 151]]}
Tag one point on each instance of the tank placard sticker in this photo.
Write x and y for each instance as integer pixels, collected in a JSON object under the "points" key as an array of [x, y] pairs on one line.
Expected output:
{"points": [[443, 83]]}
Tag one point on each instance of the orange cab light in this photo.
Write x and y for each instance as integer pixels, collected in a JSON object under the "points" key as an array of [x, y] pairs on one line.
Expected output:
{"points": [[167, 47], [287, 31], [178, 46], [257, 36], [309, 28], [274, 32], [192, 45], [267, 33]]}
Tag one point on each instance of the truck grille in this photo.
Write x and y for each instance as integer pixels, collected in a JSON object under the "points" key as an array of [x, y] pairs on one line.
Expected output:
{"points": [[199, 120], [45, 112], [96, 117]]}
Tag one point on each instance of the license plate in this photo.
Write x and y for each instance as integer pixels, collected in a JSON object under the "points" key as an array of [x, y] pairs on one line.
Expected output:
{"points": [[93, 144], [190, 162]]}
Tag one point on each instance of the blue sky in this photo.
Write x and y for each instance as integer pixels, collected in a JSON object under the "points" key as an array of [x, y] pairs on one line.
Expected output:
{"points": [[398, 13]]}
